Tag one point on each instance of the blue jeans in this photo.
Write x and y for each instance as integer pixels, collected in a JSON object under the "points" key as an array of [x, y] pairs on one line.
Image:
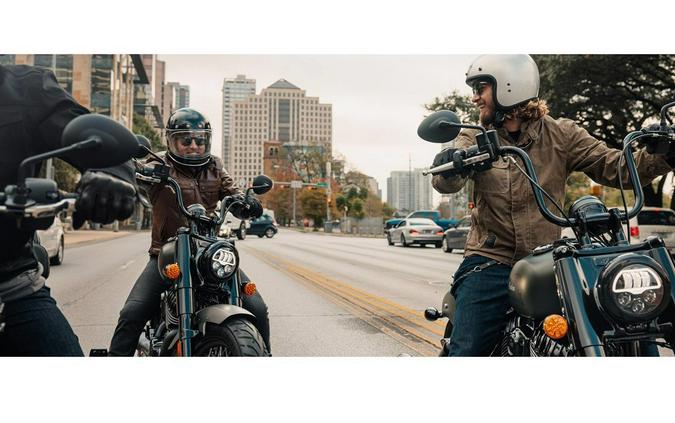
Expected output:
{"points": [[482, 302], [36, 327]]}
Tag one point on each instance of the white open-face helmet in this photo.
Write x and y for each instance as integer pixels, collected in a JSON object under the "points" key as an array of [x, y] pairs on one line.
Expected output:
{"points": [[514, 78]]}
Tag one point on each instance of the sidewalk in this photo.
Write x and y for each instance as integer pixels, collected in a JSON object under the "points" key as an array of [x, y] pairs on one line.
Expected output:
{"points": [[85, 236]]}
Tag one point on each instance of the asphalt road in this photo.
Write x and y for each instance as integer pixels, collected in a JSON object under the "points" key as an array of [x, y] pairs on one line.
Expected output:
{"points": [[327, 295]]}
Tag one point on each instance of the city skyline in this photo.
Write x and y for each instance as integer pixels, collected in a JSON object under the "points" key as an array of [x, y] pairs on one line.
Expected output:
{"points": [[377, 100]]}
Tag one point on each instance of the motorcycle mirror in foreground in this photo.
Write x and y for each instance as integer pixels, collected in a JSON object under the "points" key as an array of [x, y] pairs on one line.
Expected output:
{"points": [[439, 127], [262, 184], [104, 142]]}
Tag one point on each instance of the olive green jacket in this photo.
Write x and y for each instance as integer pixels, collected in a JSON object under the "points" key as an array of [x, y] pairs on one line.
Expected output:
{"points": [[506, 224]]}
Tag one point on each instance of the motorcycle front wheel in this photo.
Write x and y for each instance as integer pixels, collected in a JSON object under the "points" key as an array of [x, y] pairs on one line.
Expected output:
{"points": [[236, 337]]}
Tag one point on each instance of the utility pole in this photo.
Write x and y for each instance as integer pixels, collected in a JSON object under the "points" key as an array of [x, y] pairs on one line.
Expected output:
{"points": [[328, 190], [410, 187]]}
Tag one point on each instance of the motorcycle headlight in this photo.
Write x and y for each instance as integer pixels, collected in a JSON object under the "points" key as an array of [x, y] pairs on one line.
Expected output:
{"points": [[633, 288], [219, 261]]}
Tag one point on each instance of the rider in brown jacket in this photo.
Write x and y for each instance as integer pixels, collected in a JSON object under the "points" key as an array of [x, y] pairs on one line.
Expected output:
{"points": [[506, 223], [203, 180]]}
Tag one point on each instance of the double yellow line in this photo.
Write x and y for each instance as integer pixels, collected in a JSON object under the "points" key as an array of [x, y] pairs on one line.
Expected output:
{"points": [[406, 325]]}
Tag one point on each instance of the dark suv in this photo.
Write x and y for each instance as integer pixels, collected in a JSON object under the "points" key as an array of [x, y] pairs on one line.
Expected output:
{"points": [[263, 226]]}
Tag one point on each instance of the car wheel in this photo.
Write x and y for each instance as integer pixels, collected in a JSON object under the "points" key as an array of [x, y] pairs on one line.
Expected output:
{"points": [[403, 243], [389, 241], [58, 258], [269, 233], [444, 246], [241, 233]]}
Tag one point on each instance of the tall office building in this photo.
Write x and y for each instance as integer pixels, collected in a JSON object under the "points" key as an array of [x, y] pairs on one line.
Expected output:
{"points": [[409, 190], [281, 112], [234, 89]]}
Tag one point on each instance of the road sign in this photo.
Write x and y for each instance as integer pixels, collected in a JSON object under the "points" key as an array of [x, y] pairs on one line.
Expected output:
{"points": [[322, 184], [296, 184]]}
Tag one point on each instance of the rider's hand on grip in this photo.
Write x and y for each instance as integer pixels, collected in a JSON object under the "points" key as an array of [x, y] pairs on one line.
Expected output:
{"points": [[446, 156], [103, 198]]}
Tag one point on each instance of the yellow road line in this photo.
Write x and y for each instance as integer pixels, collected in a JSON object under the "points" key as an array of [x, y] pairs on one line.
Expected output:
{"points": [[406, 319]]}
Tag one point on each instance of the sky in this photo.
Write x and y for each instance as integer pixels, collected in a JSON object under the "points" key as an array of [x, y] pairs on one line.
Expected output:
{"points": [[377, 99]]}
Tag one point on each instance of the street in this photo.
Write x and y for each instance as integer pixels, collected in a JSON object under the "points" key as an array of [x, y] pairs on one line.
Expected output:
{"points": [[327, 295]]}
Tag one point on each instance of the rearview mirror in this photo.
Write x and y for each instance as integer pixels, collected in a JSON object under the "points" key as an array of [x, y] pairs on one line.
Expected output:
{"points": [[144, 147], [117, 144], [262, 184], [439, 127]]}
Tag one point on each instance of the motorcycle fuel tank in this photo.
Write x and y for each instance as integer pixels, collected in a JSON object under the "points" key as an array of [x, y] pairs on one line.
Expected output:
{"points": [[532, 287]]}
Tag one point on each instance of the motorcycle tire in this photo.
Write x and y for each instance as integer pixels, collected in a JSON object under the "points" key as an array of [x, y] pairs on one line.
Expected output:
{"points": [[236, 337]]}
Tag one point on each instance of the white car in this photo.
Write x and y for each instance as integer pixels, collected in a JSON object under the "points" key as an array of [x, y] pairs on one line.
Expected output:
{"points": [[234, 226], [53, 240]]}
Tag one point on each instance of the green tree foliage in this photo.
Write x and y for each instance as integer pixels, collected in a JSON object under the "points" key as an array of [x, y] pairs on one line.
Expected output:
{"points": [[314, 205], [307, 162], [460, 104], [280, 200], [143, 127]]}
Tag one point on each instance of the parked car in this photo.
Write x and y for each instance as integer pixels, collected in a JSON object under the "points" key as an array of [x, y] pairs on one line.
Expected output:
{"points": [[265, 225], [660, 222], [416, 231], [53, 240], [233, 226], [455, 237]]}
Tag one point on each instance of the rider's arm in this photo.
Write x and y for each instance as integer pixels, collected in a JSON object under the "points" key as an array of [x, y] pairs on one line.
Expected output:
{"points": [[465, 139], [227, 186], [598, 161]]}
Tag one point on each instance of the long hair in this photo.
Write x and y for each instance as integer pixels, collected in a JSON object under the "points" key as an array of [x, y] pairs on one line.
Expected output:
{"points": [[533, 110]]}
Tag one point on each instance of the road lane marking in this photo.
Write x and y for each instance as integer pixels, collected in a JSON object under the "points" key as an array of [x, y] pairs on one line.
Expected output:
{"points": [[389, 317]]}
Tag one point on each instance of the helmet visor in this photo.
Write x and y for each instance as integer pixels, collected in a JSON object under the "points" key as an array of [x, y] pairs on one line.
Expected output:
{"points": [[190, 145]]}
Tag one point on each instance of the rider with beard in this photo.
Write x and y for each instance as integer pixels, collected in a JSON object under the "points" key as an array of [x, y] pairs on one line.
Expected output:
{"points": [[506, 224], [34, 110], [203, 180]]}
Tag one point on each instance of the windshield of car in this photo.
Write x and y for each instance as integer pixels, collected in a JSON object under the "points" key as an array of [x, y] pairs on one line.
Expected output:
{"points": [[422, 215], [656, 217], [420, 222]]}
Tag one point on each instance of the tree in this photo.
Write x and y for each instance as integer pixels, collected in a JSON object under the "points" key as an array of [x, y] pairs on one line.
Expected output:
{"points": [[313, 202], [460, 104], [143, 127], [279, 199], [307, 162]]}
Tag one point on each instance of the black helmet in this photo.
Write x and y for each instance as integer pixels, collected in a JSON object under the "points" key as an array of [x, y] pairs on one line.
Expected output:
{"points": [[188, 137]]}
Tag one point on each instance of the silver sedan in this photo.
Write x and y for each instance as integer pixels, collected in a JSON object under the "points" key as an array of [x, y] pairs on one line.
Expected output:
{"points": [[416, 231]]}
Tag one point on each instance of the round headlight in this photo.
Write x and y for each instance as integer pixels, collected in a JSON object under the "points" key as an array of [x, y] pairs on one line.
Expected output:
{"points": [[633, 288], [219, 262]]}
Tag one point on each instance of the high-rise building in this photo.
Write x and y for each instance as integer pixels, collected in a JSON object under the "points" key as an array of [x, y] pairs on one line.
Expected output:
{"points": [[103, 83], [183, 96], [281, 112], [409, 190], [234, 89]]}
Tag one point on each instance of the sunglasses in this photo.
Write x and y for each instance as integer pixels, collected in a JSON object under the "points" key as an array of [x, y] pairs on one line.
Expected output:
{"points": [[187, 140], [478, 87]]}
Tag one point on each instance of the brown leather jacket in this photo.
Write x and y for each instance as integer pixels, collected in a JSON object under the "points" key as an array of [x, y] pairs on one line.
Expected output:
{"points": [[506, 223], [205, 185]]}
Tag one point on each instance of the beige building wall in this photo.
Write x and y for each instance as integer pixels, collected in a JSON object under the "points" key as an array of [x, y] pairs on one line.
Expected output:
{"points": [[280, 112], [82, 79], [24, 59]]}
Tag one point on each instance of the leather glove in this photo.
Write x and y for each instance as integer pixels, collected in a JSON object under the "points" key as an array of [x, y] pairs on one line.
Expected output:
{"points": [[241, 211], [255, 209], [444, 157], [103, 198]]}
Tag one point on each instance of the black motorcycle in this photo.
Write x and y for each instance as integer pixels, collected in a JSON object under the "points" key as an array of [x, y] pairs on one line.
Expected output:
{"points": [[201, 312], [595, 295]]}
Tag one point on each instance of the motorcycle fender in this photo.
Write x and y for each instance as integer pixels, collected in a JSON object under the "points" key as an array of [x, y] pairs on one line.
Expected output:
{"points": [[449, 306], [219, 313]]}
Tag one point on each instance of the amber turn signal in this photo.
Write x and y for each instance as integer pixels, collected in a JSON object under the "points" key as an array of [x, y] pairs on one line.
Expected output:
{"points": [[172, 271], [555, 326], [249, 288]]}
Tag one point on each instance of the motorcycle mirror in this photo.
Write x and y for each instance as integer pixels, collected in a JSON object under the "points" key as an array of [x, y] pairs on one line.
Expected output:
{"points": [[439, 127], [144, 147], [262, 184], [115, 143]]}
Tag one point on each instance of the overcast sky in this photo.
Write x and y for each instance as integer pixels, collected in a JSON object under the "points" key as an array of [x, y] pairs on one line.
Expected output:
{"points": [[377, 100]]}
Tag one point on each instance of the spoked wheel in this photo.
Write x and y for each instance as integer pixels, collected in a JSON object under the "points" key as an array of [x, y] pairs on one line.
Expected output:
{"points": [[236, 337]]}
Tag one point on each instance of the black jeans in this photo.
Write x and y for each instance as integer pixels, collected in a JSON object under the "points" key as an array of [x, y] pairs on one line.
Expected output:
{"points": [[144, 300], [36, 327]]}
